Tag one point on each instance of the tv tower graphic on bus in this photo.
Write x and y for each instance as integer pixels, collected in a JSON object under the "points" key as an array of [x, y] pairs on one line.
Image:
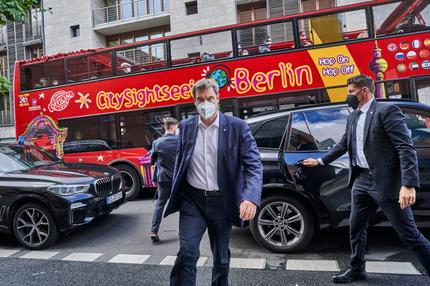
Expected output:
{"points": [[378, 65]]}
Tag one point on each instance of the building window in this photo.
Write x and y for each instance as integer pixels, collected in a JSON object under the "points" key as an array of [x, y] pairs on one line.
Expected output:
{"points": [[137, 36], [191, 7], [75, 31], [34, 52], [3, 65]]}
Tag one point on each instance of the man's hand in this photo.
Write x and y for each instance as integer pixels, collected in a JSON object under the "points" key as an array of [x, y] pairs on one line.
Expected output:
{"points": [[310, 162], [247, 210], [407, 197]]}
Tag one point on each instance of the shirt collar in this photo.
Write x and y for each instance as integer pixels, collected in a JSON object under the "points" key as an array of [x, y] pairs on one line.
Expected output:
{"points": [[216, 122], [366, 107]]}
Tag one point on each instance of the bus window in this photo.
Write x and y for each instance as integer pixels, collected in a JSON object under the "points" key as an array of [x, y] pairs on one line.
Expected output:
{"points": [[265, 38], [89, 67], [333, 28], [141, 128], [42, 75], [423, 90], [209, 47], [401, 17], [141, 58], [398, 89], [418, 123]]}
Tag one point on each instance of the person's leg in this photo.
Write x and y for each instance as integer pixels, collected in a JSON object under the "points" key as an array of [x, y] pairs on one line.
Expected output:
{"points": [[192, 226], [163, 195], [404, 224], [362, 210], [219, 230]]}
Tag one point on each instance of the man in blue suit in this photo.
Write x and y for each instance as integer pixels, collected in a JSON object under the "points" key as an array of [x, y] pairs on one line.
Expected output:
{"points": [[163, 156], [217, 183], [383, 174]]}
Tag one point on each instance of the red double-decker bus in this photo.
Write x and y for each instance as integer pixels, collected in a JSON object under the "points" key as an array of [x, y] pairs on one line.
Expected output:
{"points": [[112, 101]]}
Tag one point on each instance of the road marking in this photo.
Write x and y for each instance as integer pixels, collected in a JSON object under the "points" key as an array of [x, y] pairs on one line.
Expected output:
{"points": [[312, 265], [8, 252], [249, 263], [86, 257], [391, 267], [129, 258], [170, 260], [39, 255]]}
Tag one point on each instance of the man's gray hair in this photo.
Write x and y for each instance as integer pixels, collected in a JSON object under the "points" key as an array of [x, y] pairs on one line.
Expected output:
{"points": [[204, 84]]}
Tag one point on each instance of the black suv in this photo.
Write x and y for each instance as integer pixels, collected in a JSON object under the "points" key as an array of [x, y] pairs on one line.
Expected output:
{"points": [[298, 200], [41, 196]]}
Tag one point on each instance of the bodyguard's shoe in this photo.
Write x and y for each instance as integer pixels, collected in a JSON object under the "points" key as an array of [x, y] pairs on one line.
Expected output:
{"points": [[350, 276]]}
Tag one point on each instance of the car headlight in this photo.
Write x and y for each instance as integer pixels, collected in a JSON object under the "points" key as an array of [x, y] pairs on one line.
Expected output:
{"points": [[67, 190]]}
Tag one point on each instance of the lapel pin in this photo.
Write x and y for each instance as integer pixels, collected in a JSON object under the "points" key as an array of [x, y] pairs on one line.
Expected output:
{"points": [[224, 130]]}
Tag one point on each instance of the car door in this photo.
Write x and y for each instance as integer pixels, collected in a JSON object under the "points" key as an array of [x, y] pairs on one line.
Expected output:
{"points": [[311, 134], [418, 122], [268, 135]]}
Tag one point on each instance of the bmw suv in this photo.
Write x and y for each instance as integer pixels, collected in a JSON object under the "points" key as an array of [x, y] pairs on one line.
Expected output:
{"points": [[298, 200]]}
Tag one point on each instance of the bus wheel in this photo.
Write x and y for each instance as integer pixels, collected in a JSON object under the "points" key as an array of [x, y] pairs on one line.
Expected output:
{"points": [[131, 179]]}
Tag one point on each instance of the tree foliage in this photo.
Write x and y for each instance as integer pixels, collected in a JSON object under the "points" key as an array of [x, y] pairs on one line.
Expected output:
{"points": [[15, 10]]}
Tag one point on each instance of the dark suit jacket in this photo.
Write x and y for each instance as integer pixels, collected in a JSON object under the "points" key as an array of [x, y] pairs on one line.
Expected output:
{"points": [[388, 149], [163, 154], [240, 172]]}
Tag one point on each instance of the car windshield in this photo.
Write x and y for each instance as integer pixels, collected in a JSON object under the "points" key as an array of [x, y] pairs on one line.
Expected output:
{"points": [[15, 158]]}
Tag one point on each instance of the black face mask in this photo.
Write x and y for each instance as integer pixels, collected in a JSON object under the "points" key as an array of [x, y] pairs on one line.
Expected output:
{"points": [[352, 101]]}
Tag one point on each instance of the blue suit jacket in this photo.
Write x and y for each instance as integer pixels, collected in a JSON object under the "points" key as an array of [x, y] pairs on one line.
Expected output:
{"points": [[240, 172], [163, 155]]}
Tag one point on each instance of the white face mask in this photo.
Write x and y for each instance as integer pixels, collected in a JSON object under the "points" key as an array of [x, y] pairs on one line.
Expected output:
{"points": [[206, 109], [177, 131]]}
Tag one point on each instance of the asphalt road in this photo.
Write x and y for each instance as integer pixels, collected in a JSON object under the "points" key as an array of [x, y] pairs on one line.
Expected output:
{"points": [[126, 231]]}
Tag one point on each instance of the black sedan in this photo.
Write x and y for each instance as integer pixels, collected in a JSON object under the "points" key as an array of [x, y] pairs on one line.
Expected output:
{"points": [[297, 201], [41, 196]]}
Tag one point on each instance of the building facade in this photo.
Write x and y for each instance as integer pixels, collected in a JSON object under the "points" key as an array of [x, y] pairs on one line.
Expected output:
{"points": [[81, 24]]}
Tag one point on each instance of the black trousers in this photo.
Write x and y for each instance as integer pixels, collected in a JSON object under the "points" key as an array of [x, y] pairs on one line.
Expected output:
{"points": [[198, 213], [365, 202]]}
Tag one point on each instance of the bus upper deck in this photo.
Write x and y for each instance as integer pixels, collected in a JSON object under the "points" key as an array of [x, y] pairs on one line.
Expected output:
{"points": [[347, 24]]}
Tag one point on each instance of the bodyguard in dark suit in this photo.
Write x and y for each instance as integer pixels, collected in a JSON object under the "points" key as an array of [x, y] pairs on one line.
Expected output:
{"points": [[217, 183], [383, 173], [163, 156]]}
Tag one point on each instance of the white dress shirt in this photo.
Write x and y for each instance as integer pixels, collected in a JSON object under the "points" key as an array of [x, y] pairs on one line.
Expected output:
{"points": [[202, 172], [361, 158]]}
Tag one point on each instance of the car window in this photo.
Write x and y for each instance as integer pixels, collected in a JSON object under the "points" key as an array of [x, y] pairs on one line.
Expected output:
{"points": [[269, 134], [418, 122], [300, 137], [327, 126]]}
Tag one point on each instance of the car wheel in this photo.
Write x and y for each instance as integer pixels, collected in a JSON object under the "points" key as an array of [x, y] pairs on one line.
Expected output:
{"points": [[282, 224], [35, 227], [131, 179]]}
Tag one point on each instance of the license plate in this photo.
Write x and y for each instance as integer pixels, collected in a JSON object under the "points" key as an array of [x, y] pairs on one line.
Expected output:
{"points": [[113, 198]]}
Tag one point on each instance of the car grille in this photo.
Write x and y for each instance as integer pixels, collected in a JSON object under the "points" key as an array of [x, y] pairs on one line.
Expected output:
{"points": [[106, 186]]}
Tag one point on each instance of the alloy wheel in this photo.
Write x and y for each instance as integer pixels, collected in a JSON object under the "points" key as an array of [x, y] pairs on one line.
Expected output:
{"points": [[33, 227]]}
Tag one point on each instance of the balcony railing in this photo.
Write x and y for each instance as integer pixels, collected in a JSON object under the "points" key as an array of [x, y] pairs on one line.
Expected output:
{"points": [[33, 32], [129, 10], [6, 118]]}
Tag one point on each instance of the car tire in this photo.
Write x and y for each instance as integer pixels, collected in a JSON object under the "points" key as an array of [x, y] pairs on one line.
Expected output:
{"points": [[35, 227], [132, 180], [285, 232]]}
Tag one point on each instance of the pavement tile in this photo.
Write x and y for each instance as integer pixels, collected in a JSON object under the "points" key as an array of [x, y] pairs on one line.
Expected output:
{"points": [[250, 263], [388, 267], [312, 265], [39, 255], [86, 257], [129, 258], [170, 260]]}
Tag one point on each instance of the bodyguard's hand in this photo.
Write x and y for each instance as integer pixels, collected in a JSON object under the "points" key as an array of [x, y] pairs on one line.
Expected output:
{"points": [[407, 197], [247, 210], [310, 162]]}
